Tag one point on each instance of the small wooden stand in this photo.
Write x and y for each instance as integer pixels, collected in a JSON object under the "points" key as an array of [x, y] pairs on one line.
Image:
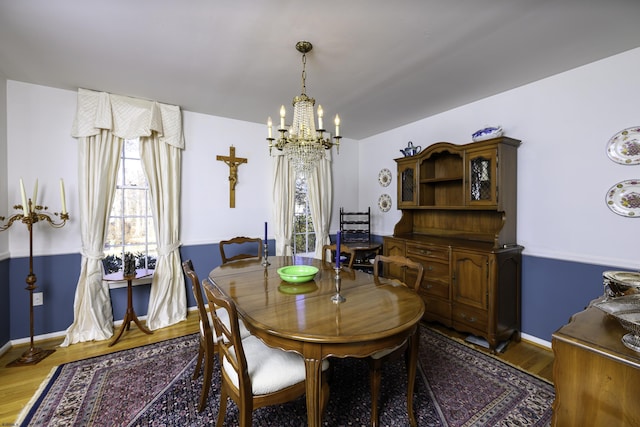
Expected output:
{"points": [[130, 314], [233, 163]]}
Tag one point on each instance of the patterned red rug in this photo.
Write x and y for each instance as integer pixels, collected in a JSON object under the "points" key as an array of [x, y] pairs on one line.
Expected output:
{"points": [[152, 386]]}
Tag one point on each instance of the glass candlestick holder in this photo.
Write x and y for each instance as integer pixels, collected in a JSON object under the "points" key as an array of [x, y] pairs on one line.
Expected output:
{"points": [[337, 298], [265, 254]]}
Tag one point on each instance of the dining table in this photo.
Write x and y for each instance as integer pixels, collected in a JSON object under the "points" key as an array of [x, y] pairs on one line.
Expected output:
{"points": [[374, 314]]}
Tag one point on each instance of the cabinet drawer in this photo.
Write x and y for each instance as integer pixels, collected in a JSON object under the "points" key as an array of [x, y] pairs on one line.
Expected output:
{"points": [[434, 270], [435, 288], [430, 251], [470, 316]]}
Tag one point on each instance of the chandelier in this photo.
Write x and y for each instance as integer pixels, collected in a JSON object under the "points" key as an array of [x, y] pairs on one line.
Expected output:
{"points": [[302, 143]]}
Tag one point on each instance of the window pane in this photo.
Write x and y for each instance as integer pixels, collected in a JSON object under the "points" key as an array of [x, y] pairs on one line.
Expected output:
{"points": [[133, 175], [135, 231], [114, 233], [116, 208], [151, 232], [135, 201], [131, 148]]}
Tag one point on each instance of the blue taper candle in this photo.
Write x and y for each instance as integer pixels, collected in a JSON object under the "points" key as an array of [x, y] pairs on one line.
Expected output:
{"points": [[338, 250], [265, 232]]}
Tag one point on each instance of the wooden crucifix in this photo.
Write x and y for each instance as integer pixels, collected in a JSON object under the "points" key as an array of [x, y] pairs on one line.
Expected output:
{"points": [[232, 161]]}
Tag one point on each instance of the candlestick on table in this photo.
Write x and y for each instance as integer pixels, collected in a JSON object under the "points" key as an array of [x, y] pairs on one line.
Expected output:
{"points": [[265, 251]]}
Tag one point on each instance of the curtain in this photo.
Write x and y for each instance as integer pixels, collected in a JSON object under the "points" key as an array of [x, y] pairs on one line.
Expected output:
{"points": [[320, 200], [283, 202], [98, 166], [167, 300], [320, 193], [102, 121]]}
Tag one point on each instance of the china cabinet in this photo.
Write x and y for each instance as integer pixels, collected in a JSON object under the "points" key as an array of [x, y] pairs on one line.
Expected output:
{"points": [[458, 206]]}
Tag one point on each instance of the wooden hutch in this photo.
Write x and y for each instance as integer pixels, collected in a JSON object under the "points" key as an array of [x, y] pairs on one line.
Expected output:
{"points": [[458, 219]]}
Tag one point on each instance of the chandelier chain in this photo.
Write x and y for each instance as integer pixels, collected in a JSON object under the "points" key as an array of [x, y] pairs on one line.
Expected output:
{"points": [[304, 73]]}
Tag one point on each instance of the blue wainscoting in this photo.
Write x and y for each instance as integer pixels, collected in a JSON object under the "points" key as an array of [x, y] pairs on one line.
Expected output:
{"points": [[552, 291], [5, 304], [57, 277]]}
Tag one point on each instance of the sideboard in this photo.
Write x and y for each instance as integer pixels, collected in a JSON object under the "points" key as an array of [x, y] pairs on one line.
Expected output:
{"points": [[597, 378]]}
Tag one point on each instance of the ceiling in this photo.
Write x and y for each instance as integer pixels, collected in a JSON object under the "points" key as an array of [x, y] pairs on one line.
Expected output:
{"points": [[378, 63]]}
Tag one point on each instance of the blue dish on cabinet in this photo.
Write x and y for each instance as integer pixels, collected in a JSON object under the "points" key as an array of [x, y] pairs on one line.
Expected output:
{"points": [[487, 133]]}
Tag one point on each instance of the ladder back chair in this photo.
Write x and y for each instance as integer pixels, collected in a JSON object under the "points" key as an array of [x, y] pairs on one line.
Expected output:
{"points": [[253, 374], [240, 248], [208, 339], [206, 350], [377, 359], [344, 249]]}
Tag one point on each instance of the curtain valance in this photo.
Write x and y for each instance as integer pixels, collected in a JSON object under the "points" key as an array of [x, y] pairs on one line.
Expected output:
{"points": [[126, 117]]}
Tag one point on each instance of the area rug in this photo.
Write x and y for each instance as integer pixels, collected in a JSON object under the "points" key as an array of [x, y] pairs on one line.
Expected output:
{"points": [[152, 386]]}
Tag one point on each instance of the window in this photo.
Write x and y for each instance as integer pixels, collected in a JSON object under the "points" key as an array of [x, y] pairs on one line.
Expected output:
{"points": [[304, 236], [130, 226]]}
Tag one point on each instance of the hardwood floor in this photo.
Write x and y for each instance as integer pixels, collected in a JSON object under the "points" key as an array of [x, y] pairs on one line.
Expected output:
{"points": [[18, 384]]}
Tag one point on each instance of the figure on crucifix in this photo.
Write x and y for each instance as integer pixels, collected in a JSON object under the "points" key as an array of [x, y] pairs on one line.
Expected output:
{"points": [[233, 162]]}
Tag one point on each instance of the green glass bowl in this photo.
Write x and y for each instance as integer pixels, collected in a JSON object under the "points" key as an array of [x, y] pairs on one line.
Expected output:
{"points": [[297, 273]]}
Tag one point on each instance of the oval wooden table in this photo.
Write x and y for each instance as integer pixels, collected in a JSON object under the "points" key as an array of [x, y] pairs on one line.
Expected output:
{"points": [[302, 317]]}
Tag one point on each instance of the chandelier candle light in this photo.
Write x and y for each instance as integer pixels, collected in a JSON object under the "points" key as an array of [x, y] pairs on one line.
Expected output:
{"points": [[32, 213], [302, 143]]}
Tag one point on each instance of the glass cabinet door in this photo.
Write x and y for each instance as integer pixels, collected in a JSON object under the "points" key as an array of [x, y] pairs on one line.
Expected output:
{"points": [[407, 184], [482, 178]]}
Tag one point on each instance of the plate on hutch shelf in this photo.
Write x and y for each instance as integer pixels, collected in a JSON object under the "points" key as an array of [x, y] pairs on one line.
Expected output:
{"points": [[384, 177], [624, 198], [624, 146], [384, 203]]}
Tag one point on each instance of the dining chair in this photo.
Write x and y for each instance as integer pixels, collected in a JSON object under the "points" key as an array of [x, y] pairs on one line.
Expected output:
{"points": [[344, 249], [208, 340], [249, 247], [253, 374], [376, 360]]}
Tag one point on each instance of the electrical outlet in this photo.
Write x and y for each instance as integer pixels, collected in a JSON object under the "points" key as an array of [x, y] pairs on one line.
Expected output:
{"points": [[37, 298]]}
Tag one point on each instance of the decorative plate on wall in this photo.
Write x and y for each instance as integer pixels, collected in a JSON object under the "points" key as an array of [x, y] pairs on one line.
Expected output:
{"points": [[624, 198], [384, 203], [624, 146], [384, 177]]}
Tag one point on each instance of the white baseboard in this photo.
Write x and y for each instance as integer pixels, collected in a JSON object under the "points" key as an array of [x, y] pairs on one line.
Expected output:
{"points": [[536, 340]]}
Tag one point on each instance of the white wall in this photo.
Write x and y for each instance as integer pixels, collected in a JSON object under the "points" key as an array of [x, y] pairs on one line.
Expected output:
{"points": [[564, 173], [40, 145]]}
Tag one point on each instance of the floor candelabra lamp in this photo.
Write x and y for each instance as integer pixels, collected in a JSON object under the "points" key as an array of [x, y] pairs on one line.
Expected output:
{"points": [[31, 214]]}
